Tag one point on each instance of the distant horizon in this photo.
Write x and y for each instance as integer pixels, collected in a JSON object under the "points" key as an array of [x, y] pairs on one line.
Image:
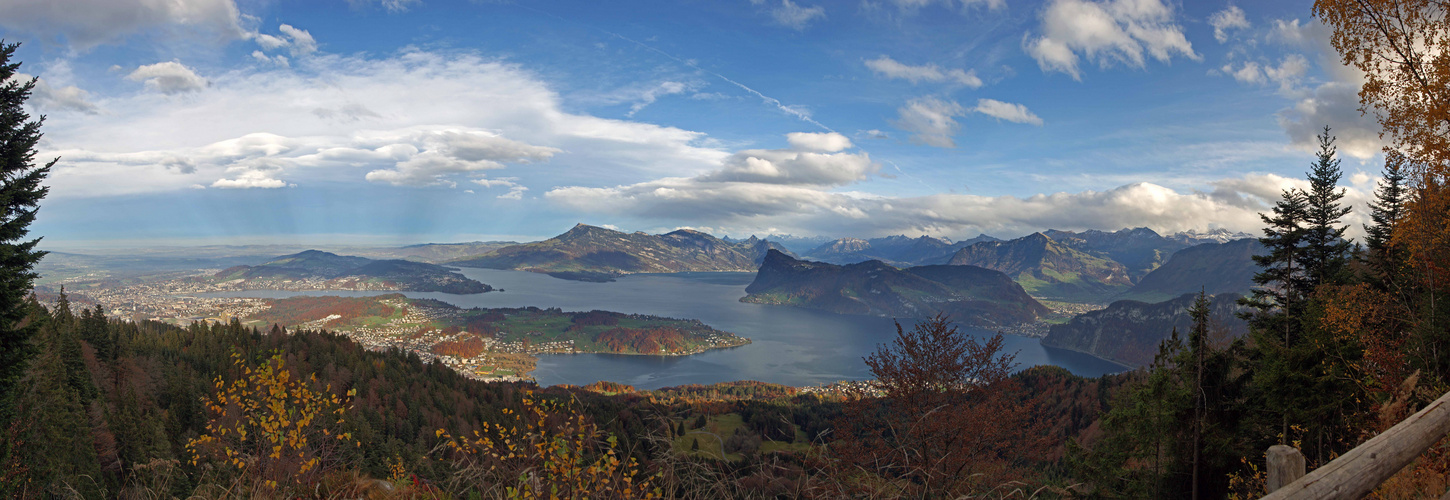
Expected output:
{"points": [[334, 241]]}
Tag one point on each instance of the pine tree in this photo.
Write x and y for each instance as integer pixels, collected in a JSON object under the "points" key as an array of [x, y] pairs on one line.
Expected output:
{"points": [[20, 195], [1326, 251]]}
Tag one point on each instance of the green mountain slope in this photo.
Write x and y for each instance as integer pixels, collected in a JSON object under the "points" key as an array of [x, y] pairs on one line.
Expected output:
{"points": [[590, 252], [1047, 269], [326, 268], [1140, 250], [971, 295], [1213, 267]]}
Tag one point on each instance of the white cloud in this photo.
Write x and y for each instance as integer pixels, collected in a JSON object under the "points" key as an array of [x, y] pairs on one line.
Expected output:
{"points": [[48, 97], [87, 23], [824, 142], [1288, 74], [348, 116], [914, 5], [443, 154], [931, 121], [652, 94], [279, 59], [1108, 33], [393, 6], [300, 41], [169, 77], [890, 68], [269, 42], [1233, 204], [1333, 104], [1015, 113], [794, 16], [1225, 20], [813, 160]]}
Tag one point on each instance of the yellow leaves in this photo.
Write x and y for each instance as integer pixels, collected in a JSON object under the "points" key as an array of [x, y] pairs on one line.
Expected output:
{"points": [[263, 423], [548, 450]]}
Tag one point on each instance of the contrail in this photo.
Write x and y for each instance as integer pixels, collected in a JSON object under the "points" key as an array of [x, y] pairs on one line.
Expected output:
{"points": [[768, 99]]}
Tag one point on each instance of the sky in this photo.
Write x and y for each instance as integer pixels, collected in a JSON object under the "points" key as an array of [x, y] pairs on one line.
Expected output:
{"points": [[407, 121]]}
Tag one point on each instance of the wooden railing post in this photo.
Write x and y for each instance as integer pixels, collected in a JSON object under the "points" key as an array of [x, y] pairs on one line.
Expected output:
{"points": [[1285, 464]]}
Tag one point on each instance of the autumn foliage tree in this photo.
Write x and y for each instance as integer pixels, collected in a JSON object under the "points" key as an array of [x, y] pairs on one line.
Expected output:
{"points": [[948, 421], [271, 426]]}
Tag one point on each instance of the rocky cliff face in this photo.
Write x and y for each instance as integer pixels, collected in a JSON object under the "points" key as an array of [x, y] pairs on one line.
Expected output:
{"points": [[971, 295], [1129, 332]]}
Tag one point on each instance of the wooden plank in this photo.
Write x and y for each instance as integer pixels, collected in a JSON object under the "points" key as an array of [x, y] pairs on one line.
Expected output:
{"points": [[1358, 472]]}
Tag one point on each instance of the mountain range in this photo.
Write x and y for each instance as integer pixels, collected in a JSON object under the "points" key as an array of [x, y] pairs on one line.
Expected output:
{"points": [[897, 250], [594, 253], [315, 264], [970, 295], [1129, 330]]}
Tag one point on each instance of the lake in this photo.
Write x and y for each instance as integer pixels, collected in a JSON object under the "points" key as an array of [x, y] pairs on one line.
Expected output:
{"points": [[791, 346]]}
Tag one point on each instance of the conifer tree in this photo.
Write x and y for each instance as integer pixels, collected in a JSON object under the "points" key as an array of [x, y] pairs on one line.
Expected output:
{"points": [[20, 195], [1278, 301], [1325, 249], [1385, 211]]}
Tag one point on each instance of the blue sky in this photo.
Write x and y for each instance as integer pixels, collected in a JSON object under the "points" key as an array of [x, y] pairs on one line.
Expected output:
{"points": [[221, 121]]}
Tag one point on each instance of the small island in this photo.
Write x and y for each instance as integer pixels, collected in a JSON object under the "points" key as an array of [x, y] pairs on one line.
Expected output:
{"points": [[489, 343]]}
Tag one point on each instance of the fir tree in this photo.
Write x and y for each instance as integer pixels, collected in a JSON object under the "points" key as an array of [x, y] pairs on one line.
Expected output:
{"points": [[1385, 211], [20, 195], [1325, 249]]}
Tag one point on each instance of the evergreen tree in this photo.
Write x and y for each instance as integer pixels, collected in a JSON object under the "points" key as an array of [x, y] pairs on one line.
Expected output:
{"points": [[1385, 211], [1281, 279], [20, 195], [1279, 303], [1326, 251]]}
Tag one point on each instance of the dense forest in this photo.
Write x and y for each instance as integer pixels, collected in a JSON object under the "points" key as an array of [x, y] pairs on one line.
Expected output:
{"points": [[1346, 339]]}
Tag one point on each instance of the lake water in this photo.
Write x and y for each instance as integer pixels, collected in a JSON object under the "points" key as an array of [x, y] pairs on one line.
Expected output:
{"points": [[791, 346]]}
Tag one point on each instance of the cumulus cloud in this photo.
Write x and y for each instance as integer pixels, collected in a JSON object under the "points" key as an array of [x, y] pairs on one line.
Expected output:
{"points": [[1226, 20], [1015, 113], [1288, 74], [794, 16], [279, 59], [300, 42], [48, 97], [931, 121], [812, 160], [169, 77], [87, 23], [818, 142], [325, 127], [1108, 33], [1333, 104], [445, 153], [890, 68]]}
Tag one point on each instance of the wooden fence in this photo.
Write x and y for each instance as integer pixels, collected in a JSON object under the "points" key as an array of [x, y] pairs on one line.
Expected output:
{"points": [[1358, 472]]}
